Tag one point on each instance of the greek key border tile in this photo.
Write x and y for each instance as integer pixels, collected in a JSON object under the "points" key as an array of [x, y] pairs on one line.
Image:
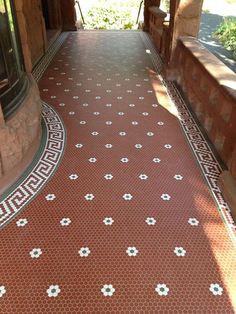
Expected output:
{"points": [[208, 163], [50, 156]]}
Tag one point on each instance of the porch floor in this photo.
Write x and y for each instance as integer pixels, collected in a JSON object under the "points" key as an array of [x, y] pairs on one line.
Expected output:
{"points": [[127, 223]]}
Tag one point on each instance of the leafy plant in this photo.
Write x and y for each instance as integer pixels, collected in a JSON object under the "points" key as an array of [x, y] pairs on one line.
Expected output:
{"points": [[112, 15], [226, 32]]}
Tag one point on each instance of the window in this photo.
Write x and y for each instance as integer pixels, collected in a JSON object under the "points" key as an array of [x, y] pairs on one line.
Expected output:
{"points": [[12, 78]]}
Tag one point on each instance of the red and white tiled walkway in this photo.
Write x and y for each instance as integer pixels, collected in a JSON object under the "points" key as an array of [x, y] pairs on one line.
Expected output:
{"points": [[127, 223]]}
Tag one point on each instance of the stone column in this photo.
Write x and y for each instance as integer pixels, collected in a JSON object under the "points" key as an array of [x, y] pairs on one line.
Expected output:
{"points": [[186, 20], [68, 15], [20, 137], [147, 4]]}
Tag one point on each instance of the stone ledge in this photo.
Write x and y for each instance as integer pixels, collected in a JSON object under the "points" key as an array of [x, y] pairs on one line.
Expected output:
{"points": [[224, 76], [157, 12]]}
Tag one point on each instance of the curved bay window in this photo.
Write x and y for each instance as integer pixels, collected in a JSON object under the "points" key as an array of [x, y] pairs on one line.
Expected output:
{"points": [[13, 82]]}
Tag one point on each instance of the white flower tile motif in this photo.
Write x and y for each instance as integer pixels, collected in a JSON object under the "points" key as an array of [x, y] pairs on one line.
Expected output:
{"points": [[21, 222], [108, 145], [216, 289], [65, 222], [150, 134], [138, 146], [124, 160], [132, 251], [108, 290], [160, 123], [165, 197], [141, 98], [119, 97], [82, 122], [75, 97], [178, 177], [108, 91], [108, 221], [154, 105], [108, 105], [85, 105], [84, 252], [168, 146], [180, 251], [62, 104], [193, 222], [73, 176], [143, 176], [71, 113], [151, 221], [156, 160], [89, 197], [131, 105], [94, 133], [35, 253], [121, 113], [92, 159], [50, 197], [53, 291], [96, 113], [108, 176], [135, 122], [78, 145], [127, 197], [108, 122], [162, 289], [2, 291], [122, 133], [145, 114]]}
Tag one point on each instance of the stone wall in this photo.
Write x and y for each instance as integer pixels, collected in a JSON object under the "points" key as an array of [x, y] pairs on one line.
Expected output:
{"points": [[210, 87], [20, 136]]}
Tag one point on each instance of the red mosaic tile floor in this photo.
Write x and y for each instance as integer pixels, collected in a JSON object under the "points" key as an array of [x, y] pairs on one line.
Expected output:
{"points": [[127, 223]]}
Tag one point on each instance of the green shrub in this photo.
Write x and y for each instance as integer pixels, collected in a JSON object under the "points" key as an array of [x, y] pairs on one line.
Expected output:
{"points": [[112, 15], [226, 32]]}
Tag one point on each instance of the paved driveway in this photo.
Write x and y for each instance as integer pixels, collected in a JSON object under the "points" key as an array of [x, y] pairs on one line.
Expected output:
{"points": [[209, 23]]}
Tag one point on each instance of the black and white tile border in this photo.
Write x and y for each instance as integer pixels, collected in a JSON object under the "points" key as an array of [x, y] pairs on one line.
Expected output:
{"points": [[209, 165], [47, 58], [49, 158]]}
